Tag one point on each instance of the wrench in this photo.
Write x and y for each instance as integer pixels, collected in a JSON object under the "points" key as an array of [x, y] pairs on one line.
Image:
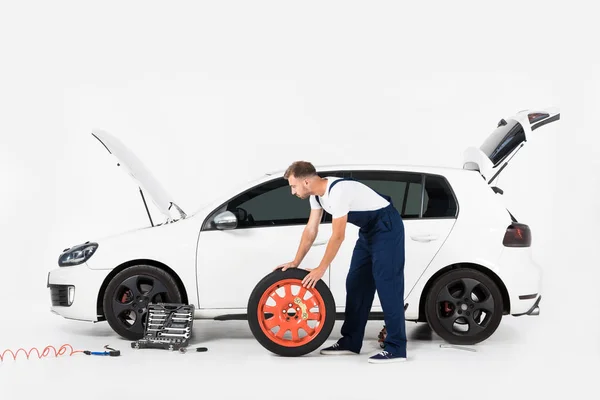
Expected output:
{"points": [[177, 329], [452, 346], [186, 335]]}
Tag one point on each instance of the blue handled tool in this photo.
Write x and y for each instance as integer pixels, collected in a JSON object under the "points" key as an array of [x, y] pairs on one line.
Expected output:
{"points": [[111, 353]]}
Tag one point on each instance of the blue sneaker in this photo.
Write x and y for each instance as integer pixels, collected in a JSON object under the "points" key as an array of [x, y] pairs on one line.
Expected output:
{"points": [[385, 357], [336, 349]]}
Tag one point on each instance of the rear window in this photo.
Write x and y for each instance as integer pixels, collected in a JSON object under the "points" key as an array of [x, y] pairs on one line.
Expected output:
{"points": [[411, 199], [438, 200], [503, 140]]}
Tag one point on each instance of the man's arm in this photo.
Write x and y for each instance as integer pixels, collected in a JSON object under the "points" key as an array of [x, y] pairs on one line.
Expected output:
{"points": [[309, 234], [308, 237], [337, 237], [340, 201]]}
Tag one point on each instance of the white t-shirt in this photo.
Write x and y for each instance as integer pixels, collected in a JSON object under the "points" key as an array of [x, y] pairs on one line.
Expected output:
{"points": [[348, 196]]}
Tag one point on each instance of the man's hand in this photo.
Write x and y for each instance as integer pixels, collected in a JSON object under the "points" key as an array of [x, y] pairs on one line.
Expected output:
{"points": [[283, 267], [313, 277], [337, 237]]}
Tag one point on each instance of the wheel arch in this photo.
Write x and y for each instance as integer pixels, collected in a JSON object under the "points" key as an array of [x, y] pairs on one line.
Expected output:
{"points": [[491, 274], [131, 263]]}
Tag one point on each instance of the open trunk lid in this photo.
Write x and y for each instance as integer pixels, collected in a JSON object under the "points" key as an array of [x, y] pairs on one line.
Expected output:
{"points": [[505, 141]]}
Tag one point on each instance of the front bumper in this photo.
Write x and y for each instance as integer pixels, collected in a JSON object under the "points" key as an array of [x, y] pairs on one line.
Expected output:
{"points": [[74, 291]]}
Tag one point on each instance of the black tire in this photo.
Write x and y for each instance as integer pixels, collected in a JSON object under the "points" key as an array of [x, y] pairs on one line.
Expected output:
{"points": [[283, 314], [129, 293], [449, 308]]}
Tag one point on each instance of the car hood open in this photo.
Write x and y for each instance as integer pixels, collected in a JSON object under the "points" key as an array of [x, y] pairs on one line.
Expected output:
{"points": [[145, 180]]}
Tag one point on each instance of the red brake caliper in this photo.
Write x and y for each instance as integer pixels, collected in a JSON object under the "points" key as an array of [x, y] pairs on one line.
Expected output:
{"points": [[124, 298], [446, 308]]}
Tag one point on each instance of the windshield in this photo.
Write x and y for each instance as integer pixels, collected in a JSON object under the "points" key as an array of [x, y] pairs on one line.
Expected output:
{"points": [[503, 140]]}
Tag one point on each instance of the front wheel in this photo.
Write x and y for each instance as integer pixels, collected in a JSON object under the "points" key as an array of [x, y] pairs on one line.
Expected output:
{"points": [[464, 306], [130, 292], [287, 318]]}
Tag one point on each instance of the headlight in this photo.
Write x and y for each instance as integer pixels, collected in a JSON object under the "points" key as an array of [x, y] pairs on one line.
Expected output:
{"points": [[77, 254]]}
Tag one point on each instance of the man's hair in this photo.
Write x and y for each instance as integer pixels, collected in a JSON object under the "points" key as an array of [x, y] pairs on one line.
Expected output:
{"points": [[300, 169]]}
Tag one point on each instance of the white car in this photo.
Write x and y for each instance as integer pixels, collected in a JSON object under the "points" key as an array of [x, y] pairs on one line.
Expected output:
{"points": [[468, 260]]}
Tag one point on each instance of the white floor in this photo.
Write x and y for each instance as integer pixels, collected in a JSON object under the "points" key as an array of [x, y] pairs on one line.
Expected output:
{"points": [[555, 353], [527, 357]]}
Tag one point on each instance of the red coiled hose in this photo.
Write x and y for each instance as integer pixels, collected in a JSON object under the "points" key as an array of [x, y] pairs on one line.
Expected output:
{"points": [[62, 350]]}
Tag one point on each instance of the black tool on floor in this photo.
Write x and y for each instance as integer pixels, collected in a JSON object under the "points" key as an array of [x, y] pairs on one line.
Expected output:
{"points": [[169, 326], [198, 349]]}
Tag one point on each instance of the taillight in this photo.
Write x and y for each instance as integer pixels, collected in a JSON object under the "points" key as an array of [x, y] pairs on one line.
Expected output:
{"points": [[534, 117], [517, 235]]}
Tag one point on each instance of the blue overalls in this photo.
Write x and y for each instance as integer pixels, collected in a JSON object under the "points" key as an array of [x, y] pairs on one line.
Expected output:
{"points": [[377, 264]]}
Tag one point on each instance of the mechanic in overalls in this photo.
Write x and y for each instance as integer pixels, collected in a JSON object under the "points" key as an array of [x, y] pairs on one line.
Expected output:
{"points": [[377, 261]]}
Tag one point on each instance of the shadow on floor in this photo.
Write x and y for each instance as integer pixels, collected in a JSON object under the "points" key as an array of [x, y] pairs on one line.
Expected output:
{"points": [[205, 331]]}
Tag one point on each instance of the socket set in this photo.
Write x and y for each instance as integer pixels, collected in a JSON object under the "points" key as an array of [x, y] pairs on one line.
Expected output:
{"points": [[168, 326]]}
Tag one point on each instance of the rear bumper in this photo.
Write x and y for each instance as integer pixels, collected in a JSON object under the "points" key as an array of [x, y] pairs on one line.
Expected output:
{"points": [[74, 292], [534, 310], [522, 277]]}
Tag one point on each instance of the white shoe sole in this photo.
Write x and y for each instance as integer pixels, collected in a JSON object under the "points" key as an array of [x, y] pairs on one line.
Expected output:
{"points": [[391, 360], [338, 353]]}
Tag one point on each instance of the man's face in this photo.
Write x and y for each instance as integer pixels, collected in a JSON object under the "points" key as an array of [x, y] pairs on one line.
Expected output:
{"points": [[300, 187]]}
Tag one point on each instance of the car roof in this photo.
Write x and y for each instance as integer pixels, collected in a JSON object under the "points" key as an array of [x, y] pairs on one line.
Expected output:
{"points": [[322, 168]]}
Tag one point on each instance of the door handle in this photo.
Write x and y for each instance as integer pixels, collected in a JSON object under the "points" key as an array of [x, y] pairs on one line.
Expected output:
{"points": [[319, 243], [424, 238]]}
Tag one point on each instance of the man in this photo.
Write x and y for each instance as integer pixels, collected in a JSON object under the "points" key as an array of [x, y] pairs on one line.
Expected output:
{"points": [[377, 261]]}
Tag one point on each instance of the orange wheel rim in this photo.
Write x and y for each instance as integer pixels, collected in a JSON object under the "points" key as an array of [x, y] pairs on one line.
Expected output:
{"points": [[290, 314]]}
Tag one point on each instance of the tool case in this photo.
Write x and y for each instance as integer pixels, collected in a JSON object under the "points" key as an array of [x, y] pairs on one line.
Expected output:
{"points": [[168, 326]]}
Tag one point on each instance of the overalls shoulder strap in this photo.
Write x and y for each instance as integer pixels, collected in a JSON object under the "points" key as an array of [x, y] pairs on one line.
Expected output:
{"points": [[318, 201], [388, 198], [332, 185], [339, 180]]}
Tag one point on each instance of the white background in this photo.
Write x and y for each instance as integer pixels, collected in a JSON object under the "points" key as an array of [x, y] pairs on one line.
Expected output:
{"points": [[210, 95]]}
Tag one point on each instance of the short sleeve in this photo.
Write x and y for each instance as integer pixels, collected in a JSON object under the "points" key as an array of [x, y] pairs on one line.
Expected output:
{"points": [[340, 201], [314, 205]]}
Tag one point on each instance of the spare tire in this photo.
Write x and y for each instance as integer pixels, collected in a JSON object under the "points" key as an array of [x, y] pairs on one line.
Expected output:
{"points": [[287, 318]]}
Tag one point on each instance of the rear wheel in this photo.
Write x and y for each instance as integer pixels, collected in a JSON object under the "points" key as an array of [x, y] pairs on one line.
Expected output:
{"points": [[130, 292], [464, 306], [287, 318]]}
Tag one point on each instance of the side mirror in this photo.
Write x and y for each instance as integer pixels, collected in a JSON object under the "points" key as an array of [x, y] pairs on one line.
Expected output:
{"points": [[225, 220]]}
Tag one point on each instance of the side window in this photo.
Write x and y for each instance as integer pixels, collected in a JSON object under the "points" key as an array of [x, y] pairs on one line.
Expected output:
{"points": [[438, 201], [270, 204], [405, 189]]}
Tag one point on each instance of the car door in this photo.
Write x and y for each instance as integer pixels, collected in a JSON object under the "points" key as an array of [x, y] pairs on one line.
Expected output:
{"points": [[428, 209], [268, 227]]}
